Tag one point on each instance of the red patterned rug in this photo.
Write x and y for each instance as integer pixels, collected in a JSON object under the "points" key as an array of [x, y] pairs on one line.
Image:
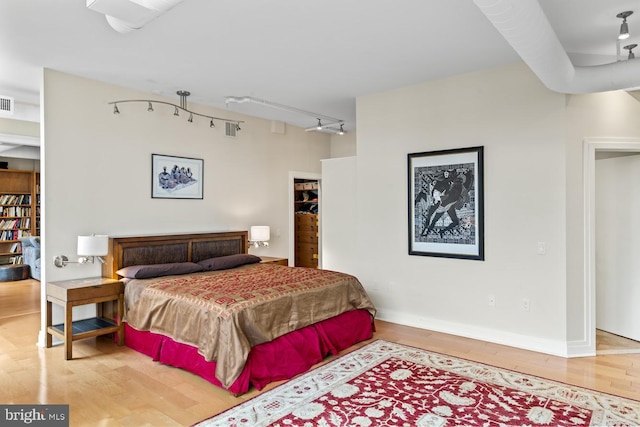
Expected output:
{"points": [[387, 384]]}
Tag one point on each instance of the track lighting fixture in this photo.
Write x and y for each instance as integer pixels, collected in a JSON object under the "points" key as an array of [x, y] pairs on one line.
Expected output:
{"points": [[624, 28], [326, 127], [341, 131], [630, 48], [183, 106]]}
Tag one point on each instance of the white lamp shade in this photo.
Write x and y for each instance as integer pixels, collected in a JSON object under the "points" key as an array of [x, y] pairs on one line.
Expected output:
{"points": [[96, 245], [259, 233]]}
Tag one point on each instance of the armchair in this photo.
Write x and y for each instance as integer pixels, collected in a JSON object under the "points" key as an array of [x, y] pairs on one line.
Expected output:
{"points": [[31, 254]]}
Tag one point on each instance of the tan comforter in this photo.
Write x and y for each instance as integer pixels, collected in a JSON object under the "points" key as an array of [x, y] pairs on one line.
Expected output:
{"points": [[225, 313]]}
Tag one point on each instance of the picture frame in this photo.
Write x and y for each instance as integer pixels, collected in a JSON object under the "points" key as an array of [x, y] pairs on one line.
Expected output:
{"points": [[174, 177], [446, 203]]}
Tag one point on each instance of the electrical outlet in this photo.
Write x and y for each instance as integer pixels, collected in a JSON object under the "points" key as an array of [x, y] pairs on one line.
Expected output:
{"points": [[542, 248], [525, 304], [492, 300]]}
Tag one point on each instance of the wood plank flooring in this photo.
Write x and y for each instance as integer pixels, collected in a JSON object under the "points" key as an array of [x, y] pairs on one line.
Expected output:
{"points": [[107, 385]]}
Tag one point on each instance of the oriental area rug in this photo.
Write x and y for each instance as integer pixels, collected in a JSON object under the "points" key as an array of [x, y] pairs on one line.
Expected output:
{"points": [[387, 384]]}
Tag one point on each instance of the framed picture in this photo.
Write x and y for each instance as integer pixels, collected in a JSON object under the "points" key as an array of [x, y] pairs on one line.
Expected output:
{"points": [[175, 177], [446, 209]]}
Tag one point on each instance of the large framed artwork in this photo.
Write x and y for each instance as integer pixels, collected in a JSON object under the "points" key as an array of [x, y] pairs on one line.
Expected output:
{"points": [[175, 177], [446, 209]]}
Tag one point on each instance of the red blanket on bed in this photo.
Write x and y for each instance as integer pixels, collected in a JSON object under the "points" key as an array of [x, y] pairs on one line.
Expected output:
{"points": [[226, 313]]}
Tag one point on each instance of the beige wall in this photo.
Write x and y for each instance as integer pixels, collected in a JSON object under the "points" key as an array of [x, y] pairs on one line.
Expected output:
{"points": [[521, 126], [97, 175], [343, 145], [533, 193], [19, 127]]}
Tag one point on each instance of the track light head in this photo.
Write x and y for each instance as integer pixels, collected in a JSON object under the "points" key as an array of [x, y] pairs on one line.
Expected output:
{"points": [[211, 124], [238, 126], [175, 113], [624, 27], [115, 109], [341, 131], [630, 48], [150, 108], [190, 120], [319, 127]]}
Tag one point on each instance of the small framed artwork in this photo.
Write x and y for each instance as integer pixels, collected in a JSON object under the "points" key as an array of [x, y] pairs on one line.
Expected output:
{"points": [[446, 208], [175, 177]]}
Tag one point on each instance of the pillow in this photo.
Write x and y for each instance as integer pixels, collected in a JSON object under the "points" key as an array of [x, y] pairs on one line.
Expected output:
{"points": [[228, 261], [159, 270]]}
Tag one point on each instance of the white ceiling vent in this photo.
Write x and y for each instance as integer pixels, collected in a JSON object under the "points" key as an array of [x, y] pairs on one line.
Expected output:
{"points": [[6, 105], [230, 129]]}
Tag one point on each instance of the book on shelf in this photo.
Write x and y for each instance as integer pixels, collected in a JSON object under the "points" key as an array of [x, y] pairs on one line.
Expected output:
{"points": [[15, 199], [13, 234]]}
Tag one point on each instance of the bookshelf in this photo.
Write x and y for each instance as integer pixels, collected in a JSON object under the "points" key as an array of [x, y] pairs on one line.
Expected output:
{"points": [[19, 211]]}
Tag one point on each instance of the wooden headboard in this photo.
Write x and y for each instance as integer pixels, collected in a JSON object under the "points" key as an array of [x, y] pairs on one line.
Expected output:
{"points": [[159, 249]]}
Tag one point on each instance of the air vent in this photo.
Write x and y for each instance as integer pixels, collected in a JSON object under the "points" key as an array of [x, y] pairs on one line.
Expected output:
{"points": [[230, 129], [6, 105]]}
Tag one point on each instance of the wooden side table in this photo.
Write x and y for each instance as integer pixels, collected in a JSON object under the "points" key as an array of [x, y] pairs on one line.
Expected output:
{"points": [[71, 293], [274, 260]]}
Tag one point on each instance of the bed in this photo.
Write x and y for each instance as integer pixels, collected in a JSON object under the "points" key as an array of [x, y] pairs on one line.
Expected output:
{"points": [[276, 322]]}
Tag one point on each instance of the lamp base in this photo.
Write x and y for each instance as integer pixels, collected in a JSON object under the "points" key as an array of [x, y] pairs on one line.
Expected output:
{"points": [[60, 261]]}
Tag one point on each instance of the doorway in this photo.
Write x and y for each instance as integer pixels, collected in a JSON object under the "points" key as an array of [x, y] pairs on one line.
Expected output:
{"points": [[595, 149], [305, 219]]}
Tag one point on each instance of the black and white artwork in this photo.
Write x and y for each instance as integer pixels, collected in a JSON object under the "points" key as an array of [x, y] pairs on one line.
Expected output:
{"points": [[174, 177], [446, 203]]}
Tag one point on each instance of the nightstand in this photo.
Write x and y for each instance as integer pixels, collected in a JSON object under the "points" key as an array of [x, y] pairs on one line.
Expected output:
{"points": [[274, 260], [71, 293]]}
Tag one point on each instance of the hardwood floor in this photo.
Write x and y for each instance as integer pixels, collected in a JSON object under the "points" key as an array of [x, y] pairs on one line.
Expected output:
{"points": [[608, 343], [107, 385]]}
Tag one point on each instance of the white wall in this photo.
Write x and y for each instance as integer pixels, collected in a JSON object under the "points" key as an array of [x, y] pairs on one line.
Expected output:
{"points": [[607, 117], [521, 126], [618, 245], [339, 213], [97, 175], [534, 192]]}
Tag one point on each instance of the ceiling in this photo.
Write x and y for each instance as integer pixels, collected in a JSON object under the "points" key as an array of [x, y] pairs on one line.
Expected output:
{"points": [[317, 57]]}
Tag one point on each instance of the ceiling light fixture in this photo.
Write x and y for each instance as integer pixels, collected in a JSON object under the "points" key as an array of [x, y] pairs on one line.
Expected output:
{"points": [[329, 121], [183, 106], [624, 28], [337, 131], [630, 48], [129, 15]]}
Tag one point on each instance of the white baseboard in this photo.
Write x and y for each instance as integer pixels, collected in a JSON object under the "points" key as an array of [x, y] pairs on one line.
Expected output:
{"points": [[525, 342]]}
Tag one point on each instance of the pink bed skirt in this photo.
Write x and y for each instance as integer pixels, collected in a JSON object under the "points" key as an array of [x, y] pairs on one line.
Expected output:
{"points": [[280, 359]]}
